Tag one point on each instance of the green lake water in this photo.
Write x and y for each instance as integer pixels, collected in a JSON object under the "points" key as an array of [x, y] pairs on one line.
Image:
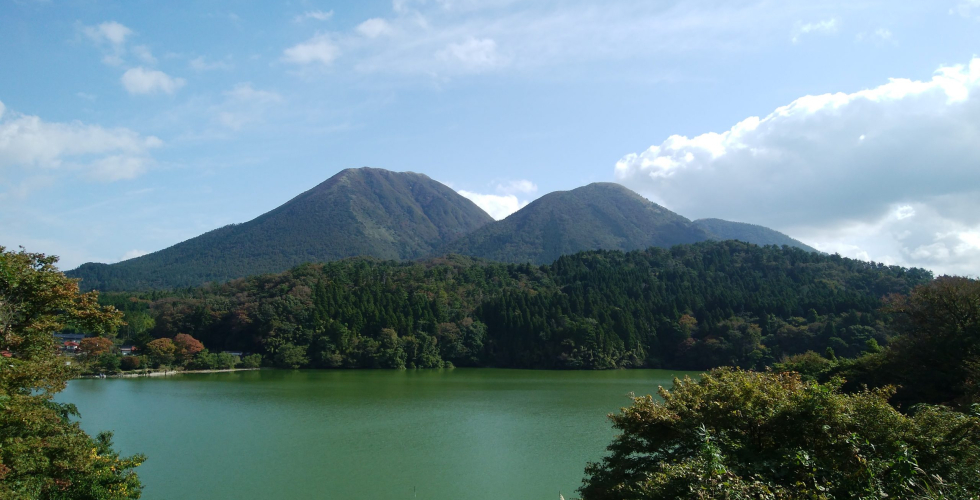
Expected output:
{"points": [[365, 434]]}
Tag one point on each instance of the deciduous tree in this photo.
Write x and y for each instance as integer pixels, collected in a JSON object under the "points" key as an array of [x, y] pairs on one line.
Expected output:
{"points": [[94, 346], [43, 454]]}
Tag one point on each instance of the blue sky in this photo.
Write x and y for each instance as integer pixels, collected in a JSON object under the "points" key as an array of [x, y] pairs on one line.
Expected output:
{"points": [[129, 126]]}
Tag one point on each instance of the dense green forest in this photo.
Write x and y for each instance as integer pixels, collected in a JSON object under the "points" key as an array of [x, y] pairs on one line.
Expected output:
{"points": [[689, 307]]}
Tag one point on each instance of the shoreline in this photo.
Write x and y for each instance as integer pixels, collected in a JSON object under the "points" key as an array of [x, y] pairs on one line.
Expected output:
{"points": [[164, 373]]}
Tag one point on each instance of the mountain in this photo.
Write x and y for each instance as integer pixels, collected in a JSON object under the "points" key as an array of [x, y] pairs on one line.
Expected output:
{"points": [[750, 233], [597, 216], [358, 212]]}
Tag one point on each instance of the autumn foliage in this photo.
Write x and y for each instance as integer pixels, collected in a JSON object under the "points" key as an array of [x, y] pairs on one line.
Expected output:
{"points": [[187, 347], [94, 346]]}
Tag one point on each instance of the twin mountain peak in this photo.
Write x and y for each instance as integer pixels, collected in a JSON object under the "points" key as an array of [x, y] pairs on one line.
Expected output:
{"points": [[404, 216]]}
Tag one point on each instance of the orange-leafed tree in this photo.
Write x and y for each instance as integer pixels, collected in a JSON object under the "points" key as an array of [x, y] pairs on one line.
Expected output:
{"points": [[94, 346], [187, 347], [161, 351]]}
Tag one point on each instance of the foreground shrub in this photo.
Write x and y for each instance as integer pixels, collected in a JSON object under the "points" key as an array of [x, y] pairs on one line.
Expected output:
{"points": [[736, 434]]}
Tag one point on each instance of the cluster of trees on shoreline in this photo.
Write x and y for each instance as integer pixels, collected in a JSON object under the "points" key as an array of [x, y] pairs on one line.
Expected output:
{"points": [[900, 422], [690, 307], [100, 355]]}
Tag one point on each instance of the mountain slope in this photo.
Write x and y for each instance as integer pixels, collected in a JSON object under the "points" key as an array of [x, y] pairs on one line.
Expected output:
{"points": [[597, 216], [749, 233], [358, 212]]}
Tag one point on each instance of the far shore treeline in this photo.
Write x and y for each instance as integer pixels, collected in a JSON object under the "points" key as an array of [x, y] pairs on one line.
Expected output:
{"points": [[689, 307]]}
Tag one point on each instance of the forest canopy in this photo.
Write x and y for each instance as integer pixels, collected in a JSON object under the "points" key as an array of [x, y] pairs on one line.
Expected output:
{"points": [[689, 307]]}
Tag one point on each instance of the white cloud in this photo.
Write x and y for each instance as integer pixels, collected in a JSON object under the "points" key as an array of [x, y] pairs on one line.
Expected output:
{"points": [[132, 254], [965, 8], [201, 63], [319, 49], [474, 54], [144, 54], [826, 163], [498, 206], [822, 27], [147, 81], [106, 154], [319, 15], [373, 28], [110, 31], [507, 201]]}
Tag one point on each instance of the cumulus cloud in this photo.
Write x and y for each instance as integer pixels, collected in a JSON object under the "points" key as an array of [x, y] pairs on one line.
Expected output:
{"points": [[506, 201], [824, 27], [319, 49], [111, 36], [374, 27], [829, 167], [498, 206], [105, 154], [110, 31], [149, 81], [318, 15]]}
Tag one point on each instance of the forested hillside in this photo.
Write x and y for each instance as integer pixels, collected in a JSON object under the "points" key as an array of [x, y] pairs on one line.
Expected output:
{"points": [[358, 212], [601, 215], [749, 233], [688, 307]]}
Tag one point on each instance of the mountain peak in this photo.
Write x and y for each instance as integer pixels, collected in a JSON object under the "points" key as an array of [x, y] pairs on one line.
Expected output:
{"points": [[357, 212], [599, 215]]}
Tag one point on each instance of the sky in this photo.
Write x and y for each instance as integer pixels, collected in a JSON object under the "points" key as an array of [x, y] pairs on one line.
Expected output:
{"points": [[129, 126]]}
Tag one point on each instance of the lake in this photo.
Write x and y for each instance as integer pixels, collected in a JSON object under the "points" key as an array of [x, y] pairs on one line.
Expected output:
{"points": [[363, 434]]}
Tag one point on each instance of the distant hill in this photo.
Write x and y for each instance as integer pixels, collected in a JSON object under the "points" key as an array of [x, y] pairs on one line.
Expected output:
{"points": [[358, 212], [597, 216], [750, 233]]}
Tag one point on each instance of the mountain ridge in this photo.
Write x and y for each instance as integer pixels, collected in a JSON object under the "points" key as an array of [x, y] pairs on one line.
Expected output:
{"points": [[357, 212], [402, 216], [600, 215]]}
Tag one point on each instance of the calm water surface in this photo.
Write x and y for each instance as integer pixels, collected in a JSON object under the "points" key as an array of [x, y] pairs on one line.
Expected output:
{"points": [[428, 434]]}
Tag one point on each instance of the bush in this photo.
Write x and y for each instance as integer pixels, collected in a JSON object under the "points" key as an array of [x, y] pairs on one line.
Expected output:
{"points": [[252, 361], [130, 363], [736, 434], [291, 356], [108, 362]]}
